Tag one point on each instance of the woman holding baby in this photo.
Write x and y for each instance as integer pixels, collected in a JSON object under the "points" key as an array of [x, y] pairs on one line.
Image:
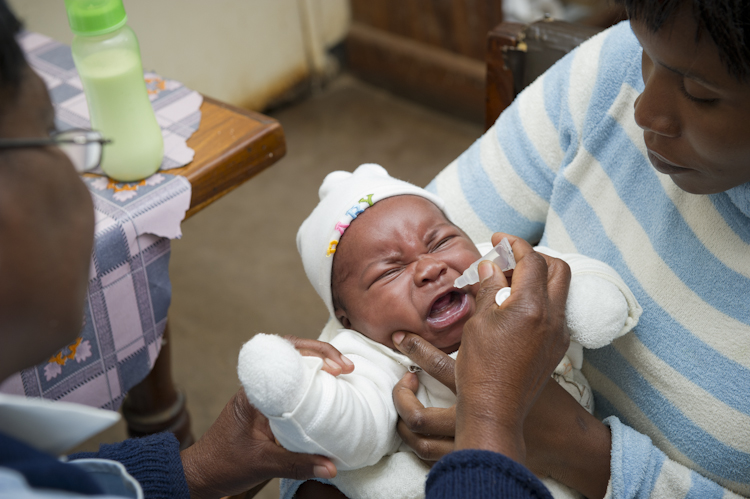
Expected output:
{"points": [[635, 150]]}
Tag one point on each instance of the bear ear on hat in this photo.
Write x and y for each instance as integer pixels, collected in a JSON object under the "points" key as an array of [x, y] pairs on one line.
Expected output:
{"points": [[371, 169], [329, 183], [333, 179]]}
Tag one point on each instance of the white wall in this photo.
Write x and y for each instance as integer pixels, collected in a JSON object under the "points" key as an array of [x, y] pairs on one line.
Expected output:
{"points": [[245, 52]]}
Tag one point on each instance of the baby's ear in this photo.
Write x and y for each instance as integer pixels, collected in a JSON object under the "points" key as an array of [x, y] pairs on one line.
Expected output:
{"points": [[343, 319]]}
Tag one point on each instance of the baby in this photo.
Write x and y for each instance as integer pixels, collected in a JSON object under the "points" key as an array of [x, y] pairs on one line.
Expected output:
{"points": [[383, 255]]}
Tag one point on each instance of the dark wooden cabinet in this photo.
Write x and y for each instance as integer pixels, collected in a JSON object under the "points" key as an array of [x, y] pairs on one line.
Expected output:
{"points": [[432, 51], [457, 26]]}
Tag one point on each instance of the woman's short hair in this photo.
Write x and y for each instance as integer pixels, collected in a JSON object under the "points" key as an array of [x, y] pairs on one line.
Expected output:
{"points": [[727, 22], [12, 60]]}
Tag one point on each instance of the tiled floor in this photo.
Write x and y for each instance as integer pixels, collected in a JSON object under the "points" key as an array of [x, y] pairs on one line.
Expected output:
{"points": [[236, 270]]}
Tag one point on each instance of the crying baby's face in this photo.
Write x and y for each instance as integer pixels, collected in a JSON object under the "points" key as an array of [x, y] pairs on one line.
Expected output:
{"points": [[394, 270]]}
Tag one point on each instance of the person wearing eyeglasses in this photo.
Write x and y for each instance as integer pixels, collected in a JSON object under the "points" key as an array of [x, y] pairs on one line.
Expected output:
{"points": [[46, 236], [84, 148]]}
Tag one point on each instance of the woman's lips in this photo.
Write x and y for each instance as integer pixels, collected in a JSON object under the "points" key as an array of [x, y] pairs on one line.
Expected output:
{"points": [[662, 165], [443, 315]]}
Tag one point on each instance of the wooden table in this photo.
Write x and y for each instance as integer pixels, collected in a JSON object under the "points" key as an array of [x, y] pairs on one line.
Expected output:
{"points": [[231, 146]]}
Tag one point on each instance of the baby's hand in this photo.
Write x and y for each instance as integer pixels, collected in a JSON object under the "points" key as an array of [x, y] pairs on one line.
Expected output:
{"points": [[334, 362], [274, 374], [596, 312]]}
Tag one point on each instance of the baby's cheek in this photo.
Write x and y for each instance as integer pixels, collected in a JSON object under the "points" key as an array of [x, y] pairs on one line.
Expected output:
{"points": [[377, 333]]}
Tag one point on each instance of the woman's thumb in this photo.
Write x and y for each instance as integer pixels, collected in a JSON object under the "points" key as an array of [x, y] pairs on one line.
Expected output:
{"points": [[491, 279]]}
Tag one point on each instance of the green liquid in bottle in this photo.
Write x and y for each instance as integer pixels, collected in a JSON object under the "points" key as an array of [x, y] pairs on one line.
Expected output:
{"points": [[120, 109]]}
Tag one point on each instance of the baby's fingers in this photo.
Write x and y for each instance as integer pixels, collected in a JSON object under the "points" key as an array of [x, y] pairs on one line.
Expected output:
{"points": [[426, 447], [415, 418]]}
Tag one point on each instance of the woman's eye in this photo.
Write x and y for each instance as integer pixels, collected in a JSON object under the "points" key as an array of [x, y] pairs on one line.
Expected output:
{"points": [[696, 93]]}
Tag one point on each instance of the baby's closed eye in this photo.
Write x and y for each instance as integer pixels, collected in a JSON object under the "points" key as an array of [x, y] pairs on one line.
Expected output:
{"points": [[442, 243], [389, 273]]}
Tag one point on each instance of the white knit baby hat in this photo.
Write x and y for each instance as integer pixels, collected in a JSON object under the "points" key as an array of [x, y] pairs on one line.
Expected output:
{"points": [[343, 196]]}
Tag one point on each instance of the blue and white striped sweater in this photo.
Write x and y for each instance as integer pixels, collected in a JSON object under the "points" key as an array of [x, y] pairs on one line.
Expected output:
{"points": [[567, 164]]}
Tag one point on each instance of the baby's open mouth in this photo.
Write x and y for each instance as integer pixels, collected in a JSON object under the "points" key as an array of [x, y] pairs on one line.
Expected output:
{"points": [[447, 309]]}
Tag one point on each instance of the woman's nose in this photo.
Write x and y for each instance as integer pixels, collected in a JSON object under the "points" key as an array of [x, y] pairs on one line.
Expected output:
{"points": [[655, 109], [429, 270]]}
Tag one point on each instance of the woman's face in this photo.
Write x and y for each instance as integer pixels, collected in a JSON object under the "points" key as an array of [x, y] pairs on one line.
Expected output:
{"points": [[46, 233], [695, 116]]}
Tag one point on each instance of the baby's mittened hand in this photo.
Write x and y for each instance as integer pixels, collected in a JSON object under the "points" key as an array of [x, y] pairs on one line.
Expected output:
{"points": [[596, 311], [273, 374]]}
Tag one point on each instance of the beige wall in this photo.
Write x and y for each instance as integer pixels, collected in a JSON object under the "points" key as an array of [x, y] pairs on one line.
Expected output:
{"points": [[245, 52]]}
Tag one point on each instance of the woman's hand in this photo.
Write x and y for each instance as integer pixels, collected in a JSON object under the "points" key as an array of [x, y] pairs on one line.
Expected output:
{"points": [[556, 430], [428, 431], [507, 355], [508, 352], [539, 293], [239, 452], [565, 442]]}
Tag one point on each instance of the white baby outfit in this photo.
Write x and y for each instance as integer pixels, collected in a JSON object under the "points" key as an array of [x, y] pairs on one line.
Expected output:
{"points": [[351, 418]]}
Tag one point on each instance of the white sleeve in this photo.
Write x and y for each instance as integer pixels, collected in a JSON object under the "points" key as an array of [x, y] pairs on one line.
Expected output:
{"points": [[350, 418], [600, 305]]}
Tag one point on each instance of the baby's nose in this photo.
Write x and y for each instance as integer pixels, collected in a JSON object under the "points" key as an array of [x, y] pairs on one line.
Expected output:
{"points": [[428, 270]]}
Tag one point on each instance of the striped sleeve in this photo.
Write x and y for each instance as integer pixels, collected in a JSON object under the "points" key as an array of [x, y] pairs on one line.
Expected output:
{"points": [[640, 470]]}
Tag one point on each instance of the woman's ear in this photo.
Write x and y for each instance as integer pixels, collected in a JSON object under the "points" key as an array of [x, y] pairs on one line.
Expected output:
{"points": [[343, 319]]}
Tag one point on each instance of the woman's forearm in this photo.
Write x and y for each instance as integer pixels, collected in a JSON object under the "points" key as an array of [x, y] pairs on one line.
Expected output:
{"points": [[567, 443], [586, 467], [489, 432]]}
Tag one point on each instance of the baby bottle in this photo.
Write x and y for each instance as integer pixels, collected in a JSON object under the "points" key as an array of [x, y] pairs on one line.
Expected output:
{"points": [[107, 56]]}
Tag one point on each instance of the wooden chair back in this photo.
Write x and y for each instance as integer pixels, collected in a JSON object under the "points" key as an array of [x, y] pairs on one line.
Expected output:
{"points": [[519, 53]]}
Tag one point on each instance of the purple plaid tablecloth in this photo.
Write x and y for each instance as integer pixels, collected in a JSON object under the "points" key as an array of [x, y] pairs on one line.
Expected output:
{"points": [[129, 289]]}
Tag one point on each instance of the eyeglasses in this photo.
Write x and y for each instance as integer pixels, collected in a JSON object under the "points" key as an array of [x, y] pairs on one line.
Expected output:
{"points": [[83, 147]]}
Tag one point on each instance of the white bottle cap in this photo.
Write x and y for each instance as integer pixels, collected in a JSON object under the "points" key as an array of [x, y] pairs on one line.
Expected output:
{"points": [[502, 295]]}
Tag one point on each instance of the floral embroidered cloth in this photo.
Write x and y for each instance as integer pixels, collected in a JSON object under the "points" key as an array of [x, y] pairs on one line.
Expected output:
{"points": [[129, 289]]}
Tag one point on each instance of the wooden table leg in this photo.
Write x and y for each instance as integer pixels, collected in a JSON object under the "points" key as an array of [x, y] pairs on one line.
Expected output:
{"points": [[155, 405]]}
